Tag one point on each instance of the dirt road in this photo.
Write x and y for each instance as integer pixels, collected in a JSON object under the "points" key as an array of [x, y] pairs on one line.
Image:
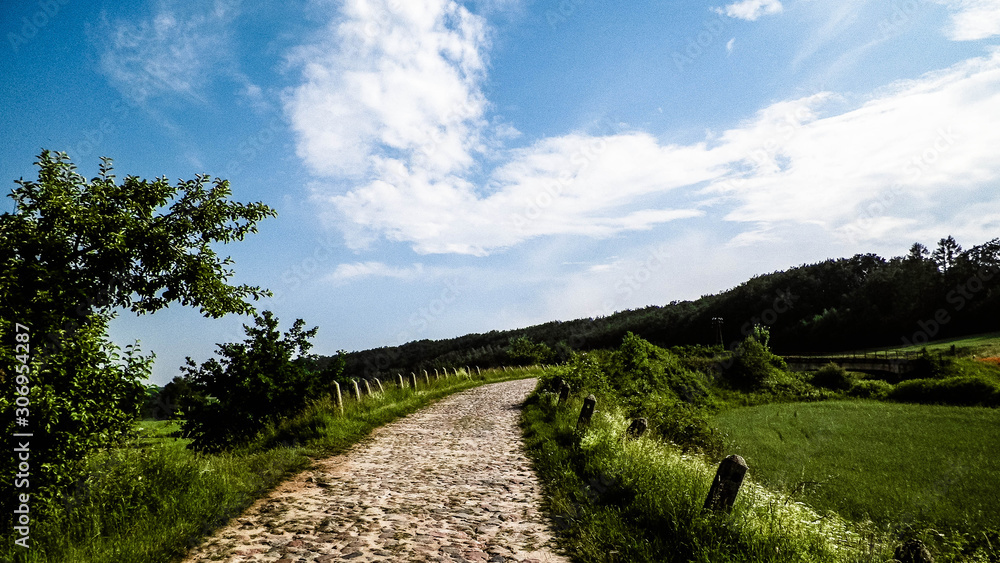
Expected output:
{"points": [[448, 483]]}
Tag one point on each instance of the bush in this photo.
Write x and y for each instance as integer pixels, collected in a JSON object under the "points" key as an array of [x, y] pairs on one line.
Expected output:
{"points": [[752, 364], [870, 389], [961, 391], [258, 382], [832, 376]]}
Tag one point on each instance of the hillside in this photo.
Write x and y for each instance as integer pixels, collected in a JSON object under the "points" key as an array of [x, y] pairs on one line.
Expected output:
{"points": [[849, 303]]}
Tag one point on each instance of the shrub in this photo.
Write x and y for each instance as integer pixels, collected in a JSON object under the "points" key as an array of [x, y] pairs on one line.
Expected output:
{"points": [[962, 391], [870, 389], [832, 376], [258, 382], [752, 364]]}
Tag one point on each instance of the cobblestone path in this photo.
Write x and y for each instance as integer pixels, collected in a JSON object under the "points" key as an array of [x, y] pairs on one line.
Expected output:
{"points": [[448, 483]]}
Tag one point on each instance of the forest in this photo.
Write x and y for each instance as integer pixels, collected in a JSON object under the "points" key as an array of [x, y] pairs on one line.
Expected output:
{"points": [[854, 303]]}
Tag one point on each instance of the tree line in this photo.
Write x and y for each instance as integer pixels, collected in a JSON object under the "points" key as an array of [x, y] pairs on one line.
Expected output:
{"points": [[838, 304]]}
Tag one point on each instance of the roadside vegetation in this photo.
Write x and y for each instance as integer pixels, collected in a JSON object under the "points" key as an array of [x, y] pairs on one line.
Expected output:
{"points": [[153, 498], [843, 466]]}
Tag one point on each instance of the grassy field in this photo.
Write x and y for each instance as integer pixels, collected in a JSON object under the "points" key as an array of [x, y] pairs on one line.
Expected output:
{"points": [[897, 464], [980, 345], [619, 500], [152, 501]]}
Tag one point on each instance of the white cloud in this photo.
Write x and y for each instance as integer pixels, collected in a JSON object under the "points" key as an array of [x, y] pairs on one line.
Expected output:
{"points": [[750, 10], [356, 270], [972, 19], [392, 106], [369, 96], [174, 52], [392, 79], [729, 45]]}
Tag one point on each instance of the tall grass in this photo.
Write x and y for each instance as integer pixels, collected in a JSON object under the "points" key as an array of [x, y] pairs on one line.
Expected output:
{"points": [[153, 501], [641, 500]]}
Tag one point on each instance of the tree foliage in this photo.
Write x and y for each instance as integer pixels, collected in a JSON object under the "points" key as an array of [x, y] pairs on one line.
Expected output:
{"points": [[258, 381], [72, 254]]}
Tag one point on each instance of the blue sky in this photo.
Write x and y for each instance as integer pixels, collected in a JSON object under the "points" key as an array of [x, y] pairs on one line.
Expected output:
{"points": [[442, 167]]}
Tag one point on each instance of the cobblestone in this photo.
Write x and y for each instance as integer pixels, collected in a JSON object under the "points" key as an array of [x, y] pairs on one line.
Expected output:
{"points": [[449, 483]]}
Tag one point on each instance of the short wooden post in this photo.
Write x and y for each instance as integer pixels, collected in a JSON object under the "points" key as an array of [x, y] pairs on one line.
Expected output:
{"points": [[399, 380], [380, 388], [368, 388], [564, 390], [436, 376], [478, 372], [913, 551], [586, 412], [340, 398], [413, 380], [726, 484], [637, 428], [427, 380], [357, 392]]}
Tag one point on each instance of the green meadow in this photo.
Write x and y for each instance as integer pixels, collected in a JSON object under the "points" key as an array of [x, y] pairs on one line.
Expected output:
{"points": [[895, 464]]}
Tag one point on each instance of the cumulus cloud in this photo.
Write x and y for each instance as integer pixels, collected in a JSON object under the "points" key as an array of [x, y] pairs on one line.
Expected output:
{"points": [[393, 122], [750, 10], [391, 105], [972, 19]]}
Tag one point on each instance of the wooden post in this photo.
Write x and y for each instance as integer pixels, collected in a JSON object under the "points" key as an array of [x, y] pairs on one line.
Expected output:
{"points": [[586, 412], [357, 392], [436, 376], [368, 388], [637, 428], [563, 392], [427, 380], [340, 398], [913, 551], [380, 388], [478, 372], [726, 484], [413, 380], [399, 380]]}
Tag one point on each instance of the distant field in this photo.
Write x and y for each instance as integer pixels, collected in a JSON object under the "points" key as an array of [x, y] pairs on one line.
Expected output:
{"points": [[981, 345], [893, 463]]}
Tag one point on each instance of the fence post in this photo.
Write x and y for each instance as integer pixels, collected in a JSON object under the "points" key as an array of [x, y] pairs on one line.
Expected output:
{"points": [[637, 428], [368, 388], [563, 392], [913, 551], [478, 372], [357, 392], [399, 380], [380, 388], [427, 380], [340, 399], [413, 380], [726, 484], [586, 412]]}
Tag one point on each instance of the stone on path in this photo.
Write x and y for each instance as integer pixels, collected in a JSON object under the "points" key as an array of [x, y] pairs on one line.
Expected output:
{"points": [[449, 483]]}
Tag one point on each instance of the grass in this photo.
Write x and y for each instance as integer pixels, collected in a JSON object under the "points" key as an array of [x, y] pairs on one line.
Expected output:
{"points": [[151, 502], [980, 345], [905, 467], [641, 500]]}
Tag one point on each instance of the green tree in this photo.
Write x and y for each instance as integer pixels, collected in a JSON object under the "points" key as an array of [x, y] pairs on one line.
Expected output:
{"points": [[522, 351], [257, 382], [946, 253], [72, 254]]}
